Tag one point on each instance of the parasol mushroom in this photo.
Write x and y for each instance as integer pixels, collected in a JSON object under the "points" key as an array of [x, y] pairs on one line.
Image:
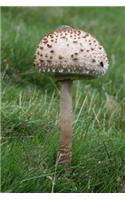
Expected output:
{"points": [[69, 54]]}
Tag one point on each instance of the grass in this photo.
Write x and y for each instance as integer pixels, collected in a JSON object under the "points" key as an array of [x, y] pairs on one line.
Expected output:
{"points": [[30, 106]]}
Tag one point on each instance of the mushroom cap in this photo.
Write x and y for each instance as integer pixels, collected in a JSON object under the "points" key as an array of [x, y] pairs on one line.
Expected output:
{"points": [[71, 53]]}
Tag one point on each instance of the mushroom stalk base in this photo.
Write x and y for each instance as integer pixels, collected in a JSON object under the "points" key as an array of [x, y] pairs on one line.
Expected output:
{"points": [[65, 149]]}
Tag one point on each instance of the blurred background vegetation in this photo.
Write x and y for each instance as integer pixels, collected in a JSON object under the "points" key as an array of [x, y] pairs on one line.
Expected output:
{"points": [[30, 105]]}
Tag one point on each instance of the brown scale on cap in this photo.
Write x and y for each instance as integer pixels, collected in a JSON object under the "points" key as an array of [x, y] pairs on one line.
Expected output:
{"points": [[93, 60], [86, 35], [76, 53], [51, 36], [49, 46], [79, 32], [45, 41], [63, 37], [101, 63], [60, 57], [75, 59], [49, 61], [41, 47]]}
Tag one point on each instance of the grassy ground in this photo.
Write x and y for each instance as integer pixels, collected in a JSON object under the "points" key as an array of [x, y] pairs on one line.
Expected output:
{"points": [[30, 106]]}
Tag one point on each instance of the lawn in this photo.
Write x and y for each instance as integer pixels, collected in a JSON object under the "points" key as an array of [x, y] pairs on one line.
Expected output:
{"points": [[30, 105]]}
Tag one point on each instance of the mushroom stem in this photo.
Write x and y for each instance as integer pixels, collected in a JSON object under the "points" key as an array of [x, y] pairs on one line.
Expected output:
{"points": [[65, 152]]}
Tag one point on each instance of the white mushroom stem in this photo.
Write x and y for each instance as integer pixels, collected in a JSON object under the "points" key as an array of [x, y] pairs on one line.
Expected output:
{"points": [[65, 154]]}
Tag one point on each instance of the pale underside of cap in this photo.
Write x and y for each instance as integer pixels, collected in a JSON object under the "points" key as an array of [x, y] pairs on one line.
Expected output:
{"points": [[68, 52]]}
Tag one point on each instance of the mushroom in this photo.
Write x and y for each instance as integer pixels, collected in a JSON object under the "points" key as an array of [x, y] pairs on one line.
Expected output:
{"points": [[69, 54]]}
